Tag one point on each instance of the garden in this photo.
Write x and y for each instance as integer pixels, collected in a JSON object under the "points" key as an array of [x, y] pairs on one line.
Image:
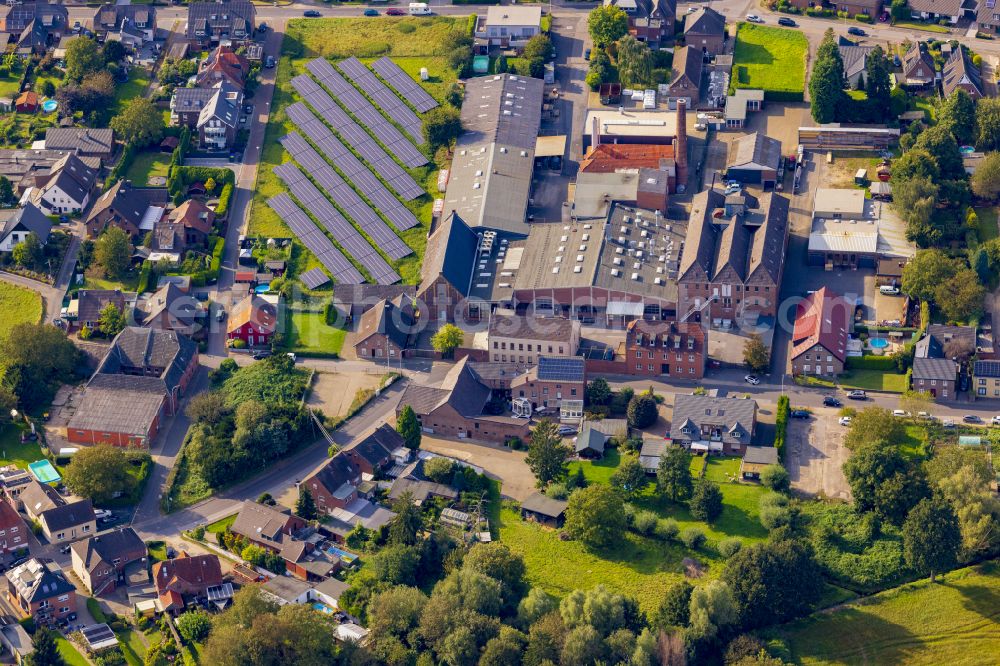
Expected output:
{"points": [[19, 305], [771, 59]]}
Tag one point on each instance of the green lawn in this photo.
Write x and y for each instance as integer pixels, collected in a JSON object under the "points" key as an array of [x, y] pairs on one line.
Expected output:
{"points": [[955, 621], [598, 471], [220, 526], [772, 59], [874, 380], [915, 25], [132, 647], [308, 332], [987, 229], [138, 82], [69, 652], [146, 165], [157, 550], [14, 451], [19, 305], [129, 283], [9, 85], [95, 610]]}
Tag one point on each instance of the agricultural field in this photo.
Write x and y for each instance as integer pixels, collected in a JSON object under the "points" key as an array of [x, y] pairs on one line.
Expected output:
{"points": [[412, 44], [955, 621], [772, 59]]}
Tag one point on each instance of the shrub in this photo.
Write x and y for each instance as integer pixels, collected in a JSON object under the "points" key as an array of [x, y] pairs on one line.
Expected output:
{"points": [[198, 532], [781, 425], [883, 363], [693, 538], [557, 491], [642, 411], [667, 529], [863, 18], [222, 209], [239, 343], [729, 547], [629, 513], [645, 522], [776, 478]]}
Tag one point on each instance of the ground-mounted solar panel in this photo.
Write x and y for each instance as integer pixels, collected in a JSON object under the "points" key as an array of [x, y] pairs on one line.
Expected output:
{"points": [[352, 168], [356, 136], [404, 85], [332, 259], [385, 98], [330, 218], [345, 197], [314, 277]]}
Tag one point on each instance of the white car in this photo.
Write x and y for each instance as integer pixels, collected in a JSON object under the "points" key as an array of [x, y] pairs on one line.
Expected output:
{"points": [[701, 127], [102, 513], [753, 18], [844, 420], [901, 413], [751, 379], [995, 420]]}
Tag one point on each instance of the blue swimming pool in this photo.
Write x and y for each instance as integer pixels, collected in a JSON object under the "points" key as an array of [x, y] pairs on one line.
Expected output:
{"points": [[262, 288], [50, 105], [323, 608], [878, 343], [333, 551], [967, 150]]}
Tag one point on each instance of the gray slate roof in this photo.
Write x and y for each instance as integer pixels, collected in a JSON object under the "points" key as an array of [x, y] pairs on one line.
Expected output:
{"points": [[460, 388], [705, 21], [28, 218], [68, 515], [379, 445], [590, 439], [735, 415], [84, 139], [258, 521], [150, 349], [959, 69], [755, 151], [932, 345], [761, 455], [102, 550], [73, 177], [216, 18], [546, 506], [451, 253], [938, 369]]}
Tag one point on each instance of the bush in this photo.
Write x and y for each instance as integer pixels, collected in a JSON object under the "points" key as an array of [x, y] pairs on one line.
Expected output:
{"points": [[198, 533], [222, 209], [239, 343], [645, 522], [557, 491], [667, 529], [693, 538], [776, 478], [729, 547], [862, 18], [781, 425], [642, 411]]}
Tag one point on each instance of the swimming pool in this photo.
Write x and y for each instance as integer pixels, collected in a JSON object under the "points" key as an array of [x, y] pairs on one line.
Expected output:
{"points": [[49, 105], [323, 608], [262, 288], [44, 471], [878, 343], [967, 150], [333, 551]]}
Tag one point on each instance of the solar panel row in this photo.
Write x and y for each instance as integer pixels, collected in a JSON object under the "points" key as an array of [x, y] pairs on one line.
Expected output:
{"points": [[387, 100], [344, 196], [369, 116], [352, 168], [314, 240], [407, 87], [354, 134], [313, 278], [331, 219]]}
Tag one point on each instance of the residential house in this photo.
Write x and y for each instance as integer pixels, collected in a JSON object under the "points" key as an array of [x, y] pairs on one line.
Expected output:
{"points": [[18, 223], [169, 309], [509, 26], [211, 23], [285, 590], [253, 320], [986, 379], [334, 484], [39, 589], [85, 309], [384, 330], [413, 483], [545, 510], [951, 10], [705, 29], [936, 376], [754, 159], [15, 640], [133, 25], [187, 105], [918, 68], [531, 337], [219, 120], [36, 498], [685, 81], [652, 451], [376, 451], [266, 526], [552, 380], [13, 531], [86, 141], [740, 103], [938, 357], [456, 408], [185, 577], [70, 182], [819, 338], [733, 257], [122, 206], [27, 102], [68, 522], [755, 460], [33, 27], [987, 16], [13, 481], [223, 65], [960, 73], [703, 423], [653, 21], [101, 561], [306, 562], [662, 348], [139, 382], [855, 57], [870, 8], [193, 222], [28, 168]]}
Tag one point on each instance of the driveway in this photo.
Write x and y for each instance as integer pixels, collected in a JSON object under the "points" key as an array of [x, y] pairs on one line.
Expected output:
{"points": [[499, 462], [816, 453]]}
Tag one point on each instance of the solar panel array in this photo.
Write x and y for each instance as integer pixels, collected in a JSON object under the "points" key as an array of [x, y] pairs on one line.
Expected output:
{"points": [[387, 100], [354, 134], [366, 113], [331, 219], [407, 87], [345, 197], [314, 240], [313, 278], [351, 167], [557, 368]]}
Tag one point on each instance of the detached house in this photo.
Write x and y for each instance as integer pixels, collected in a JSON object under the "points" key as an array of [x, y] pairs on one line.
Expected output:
{"points": [[69, 185], [68, 522], [686, 79], [937, 358], [13, 531], [184, 577], [819, 339], [384, 330], [266, 526], [705, 30], [223, 64], [133, 25], [17, 224], [122, 206], [712, 424], [169, 309], [39, 589], [509, 26], [335, 484], [918, 68], [213, 113], [377, 451], [253, 320], [101, 561], [210, 23], [33, 27], [960, 73]]}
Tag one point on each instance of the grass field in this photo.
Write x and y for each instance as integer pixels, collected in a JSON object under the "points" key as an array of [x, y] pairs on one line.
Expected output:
{"points": [[914, 25], [308, 332], [69, 653], [19, 305], [146, 165], [955, 621], [138, 81], [772, 59], [874, 380], [9, 85], [987, 228], [412, 43]]}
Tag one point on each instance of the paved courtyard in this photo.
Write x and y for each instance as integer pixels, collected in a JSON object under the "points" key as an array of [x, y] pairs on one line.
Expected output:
{"points": [[816, 453]]}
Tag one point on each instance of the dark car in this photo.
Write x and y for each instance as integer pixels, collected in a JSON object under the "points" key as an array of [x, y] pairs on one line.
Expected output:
{"points": [[262, 27], [972, 418], [787, 21], [394, 12], [856, 31], [311, 13], [371, 12], [830, 401], [857, 395], [586, 54], [248, 108], [261, 355], [799, 414], [269, 62]]}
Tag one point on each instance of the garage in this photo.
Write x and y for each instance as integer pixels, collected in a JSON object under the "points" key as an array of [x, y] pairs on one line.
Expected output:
{"points": [[754, 160]]}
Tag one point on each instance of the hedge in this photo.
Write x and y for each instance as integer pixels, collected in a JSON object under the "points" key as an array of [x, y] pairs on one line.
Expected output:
{"points": [[211, 274], [882, 363], [470, 25], [224, 198], [128, 156], [783, 96], [781, 426], [144, 273], [182, 176]]}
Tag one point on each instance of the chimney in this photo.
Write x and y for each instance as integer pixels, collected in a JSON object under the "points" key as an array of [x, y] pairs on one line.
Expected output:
{"points": [[595, 132], [680, 145]]}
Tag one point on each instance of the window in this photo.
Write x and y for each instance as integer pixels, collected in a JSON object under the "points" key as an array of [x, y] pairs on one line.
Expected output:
{"points": [[572, 392], [650, 367], [60, 535], [496, 344], [520, 347], [64, 597], [638, 354]]}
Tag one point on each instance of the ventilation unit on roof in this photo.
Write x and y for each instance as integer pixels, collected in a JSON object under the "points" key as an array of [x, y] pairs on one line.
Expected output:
{"points": [[637, 265], [635, 276], [615, 272], [588, 226], [657, 281], [619, 250], [555, 269], [586, 237], [578, 269], [504, 285], [617, 261]]}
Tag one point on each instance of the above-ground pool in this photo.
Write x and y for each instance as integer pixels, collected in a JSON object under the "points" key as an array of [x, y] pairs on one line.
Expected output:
{"points": [[49, 105], [44, 471], [262, 288], [480, 64], [878, 343], [968, 150]]}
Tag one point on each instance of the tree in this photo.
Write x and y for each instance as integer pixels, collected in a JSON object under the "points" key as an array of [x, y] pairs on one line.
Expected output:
{"points": [[496, 560], [607, 24], [712, 608], [29, 252], [447, 339], [538, 47], [960, 297], [535, 605], [877, 82], [294, 634], [941, 144], [776, 478], [914, 200], [409, 427], [113, 52], [874, 425], [439, 469], [139, 123], [957, 114], [900, 10], [595, 515], [925, 272], [674, 608], [630, 477], [46, 651], [598, 392], [977, 509], [756, 355], [882, 481], [82, 58], [7, 196], [635, 62], [985, 181], [673, 474], [406, 526], [396, 564], [915, 163], [773, 581], [110, 320], [706, 501], [194, 625], [931, 537], [988, 117], [547, 455], [826, 85], [583, 644], [100, 472], [642, 411], [113, 251], [442, 125], [305, 506]]}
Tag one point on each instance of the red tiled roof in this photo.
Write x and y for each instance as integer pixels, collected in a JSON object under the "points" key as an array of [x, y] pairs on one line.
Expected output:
{"points": [[200, 571], [171, 599], [606, 157], [822, 318]]}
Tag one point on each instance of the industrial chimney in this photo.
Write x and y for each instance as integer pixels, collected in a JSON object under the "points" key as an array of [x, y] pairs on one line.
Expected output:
{"points": [[680, 145]]}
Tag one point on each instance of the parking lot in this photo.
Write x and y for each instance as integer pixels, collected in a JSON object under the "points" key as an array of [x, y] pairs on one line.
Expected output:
{"points": [[815, 453]]}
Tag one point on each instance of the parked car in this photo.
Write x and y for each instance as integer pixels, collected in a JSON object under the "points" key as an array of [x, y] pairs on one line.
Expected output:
{"points": [[784, 20], [972, 418], [371, 12], [566, 430], [291, 355], [586, 54], [269, 62], [102, 513], [220, 315], [312, 13], [262, 27], [901, 413], [752, 379], [701, 127], [171, 553], [926, 416], [947, 423], [261, 355], [248, 109], [995, 420], [394, 11], [799, 414], [856, 31], [753, 18], [844, 420], [830, 401], [857, 395]]}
